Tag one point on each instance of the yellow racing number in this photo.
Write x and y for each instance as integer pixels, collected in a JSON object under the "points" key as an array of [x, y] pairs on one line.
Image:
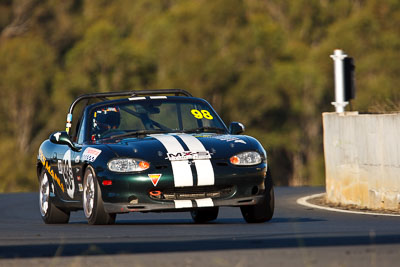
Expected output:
{"points": [[207, 114], [202, 114], [197, 114]]}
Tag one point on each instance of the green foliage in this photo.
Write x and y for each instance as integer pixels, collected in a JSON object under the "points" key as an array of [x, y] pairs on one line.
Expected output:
{"points": [[26, 66], [264, 63]]}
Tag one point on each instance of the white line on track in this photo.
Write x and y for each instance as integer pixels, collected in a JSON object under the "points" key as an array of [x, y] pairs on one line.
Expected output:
{"points": [[303, 201]]}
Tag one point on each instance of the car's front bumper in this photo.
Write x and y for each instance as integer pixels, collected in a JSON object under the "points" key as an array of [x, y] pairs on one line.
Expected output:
{"points": [[233, 186]]}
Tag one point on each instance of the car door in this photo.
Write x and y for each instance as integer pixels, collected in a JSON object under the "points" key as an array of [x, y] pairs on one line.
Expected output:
{"points": [[65, 171]]}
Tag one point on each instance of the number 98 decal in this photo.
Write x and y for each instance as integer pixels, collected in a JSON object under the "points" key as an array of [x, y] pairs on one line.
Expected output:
{"points": [[199, 114]]}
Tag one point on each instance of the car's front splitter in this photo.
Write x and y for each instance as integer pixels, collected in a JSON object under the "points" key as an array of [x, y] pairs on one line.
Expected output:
{"points": [[181, 205]]}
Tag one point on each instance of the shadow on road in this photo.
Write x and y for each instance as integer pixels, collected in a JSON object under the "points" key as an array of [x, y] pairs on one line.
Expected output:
{"points": [[113, 248], [190, 221]]}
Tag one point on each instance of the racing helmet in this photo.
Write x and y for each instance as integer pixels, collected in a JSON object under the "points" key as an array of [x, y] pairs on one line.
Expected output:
{"points": [[106, 119]]}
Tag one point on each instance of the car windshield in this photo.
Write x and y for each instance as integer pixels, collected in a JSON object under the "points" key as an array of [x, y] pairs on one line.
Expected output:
{"points": [[153, 115]]}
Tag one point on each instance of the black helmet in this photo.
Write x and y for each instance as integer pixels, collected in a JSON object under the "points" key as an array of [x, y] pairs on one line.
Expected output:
{"points": [[106, 119]]}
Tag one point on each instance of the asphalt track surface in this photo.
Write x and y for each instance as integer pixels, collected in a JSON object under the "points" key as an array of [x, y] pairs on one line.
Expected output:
{"points": [[296, 236]]}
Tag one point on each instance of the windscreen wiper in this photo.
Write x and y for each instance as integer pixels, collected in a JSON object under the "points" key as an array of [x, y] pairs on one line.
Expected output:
{"points": [[205, 129], [137, 133]]}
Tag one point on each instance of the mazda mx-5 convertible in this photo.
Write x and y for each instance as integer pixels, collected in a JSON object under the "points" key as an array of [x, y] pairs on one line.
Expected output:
{"points": [[152, 150]]}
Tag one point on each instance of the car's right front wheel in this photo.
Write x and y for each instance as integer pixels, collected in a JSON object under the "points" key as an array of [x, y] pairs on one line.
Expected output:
{"points": [[263, 210]]}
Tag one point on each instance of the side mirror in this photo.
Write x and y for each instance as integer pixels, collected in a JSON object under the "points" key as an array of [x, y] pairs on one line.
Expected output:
{"points": [[236, 128], [62, 138]]}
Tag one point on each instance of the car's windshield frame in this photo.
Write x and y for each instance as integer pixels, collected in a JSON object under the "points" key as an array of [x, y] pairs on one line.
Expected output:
{"points": [[86, 136]]}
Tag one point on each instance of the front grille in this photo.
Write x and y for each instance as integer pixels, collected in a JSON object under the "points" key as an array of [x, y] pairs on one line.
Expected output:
{"points": [[195, 192]]}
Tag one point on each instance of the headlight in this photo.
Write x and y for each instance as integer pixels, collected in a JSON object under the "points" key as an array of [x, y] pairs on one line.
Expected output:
{"points": [[246, 158], [127, 165]]}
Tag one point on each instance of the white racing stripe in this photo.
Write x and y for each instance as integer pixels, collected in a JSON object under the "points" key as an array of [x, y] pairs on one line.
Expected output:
{"points": [[204, 202], [180, 204], [205, 171], [182, 173], [181, 169]]}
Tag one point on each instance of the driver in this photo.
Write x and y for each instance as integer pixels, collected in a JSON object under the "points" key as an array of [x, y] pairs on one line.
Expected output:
{"points": [[104, 120]]}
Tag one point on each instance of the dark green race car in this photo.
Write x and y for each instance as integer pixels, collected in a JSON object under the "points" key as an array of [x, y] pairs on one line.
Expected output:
{"points": [[154, 150]]}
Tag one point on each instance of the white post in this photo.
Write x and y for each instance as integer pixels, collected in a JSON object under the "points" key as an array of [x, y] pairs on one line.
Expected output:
{"points": [[338, 57]]}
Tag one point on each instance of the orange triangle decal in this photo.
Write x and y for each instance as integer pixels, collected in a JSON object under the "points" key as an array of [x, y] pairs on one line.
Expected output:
{"points": [[154, 178]]}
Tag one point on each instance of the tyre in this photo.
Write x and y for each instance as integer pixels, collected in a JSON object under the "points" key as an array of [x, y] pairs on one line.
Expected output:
{"points": [[203, 215], [264, 210], [92, 202], [48, 211]]}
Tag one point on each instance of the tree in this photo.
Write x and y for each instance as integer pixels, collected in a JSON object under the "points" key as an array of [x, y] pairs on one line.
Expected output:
{"points": [[26, 66]]}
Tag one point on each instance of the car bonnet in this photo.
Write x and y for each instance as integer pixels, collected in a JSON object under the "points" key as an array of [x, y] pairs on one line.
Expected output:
{"points": [[158, 147]]}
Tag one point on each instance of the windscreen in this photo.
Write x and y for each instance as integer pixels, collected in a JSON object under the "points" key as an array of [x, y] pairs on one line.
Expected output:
{"points": [[164, 115]]}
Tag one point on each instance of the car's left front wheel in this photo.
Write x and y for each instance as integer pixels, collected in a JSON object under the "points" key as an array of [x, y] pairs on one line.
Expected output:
{"points": [[92, 202], [48, 211]]}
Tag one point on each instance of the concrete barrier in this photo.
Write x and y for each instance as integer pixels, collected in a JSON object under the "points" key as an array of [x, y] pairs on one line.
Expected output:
{"points": [[362, 159]]}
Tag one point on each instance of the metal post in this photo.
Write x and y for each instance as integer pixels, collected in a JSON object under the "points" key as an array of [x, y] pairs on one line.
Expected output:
{"points": [[338, 57]]}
